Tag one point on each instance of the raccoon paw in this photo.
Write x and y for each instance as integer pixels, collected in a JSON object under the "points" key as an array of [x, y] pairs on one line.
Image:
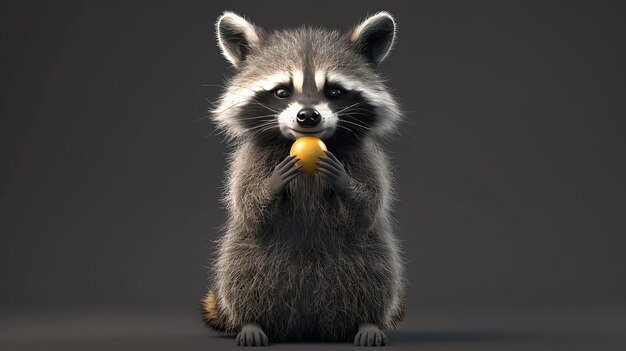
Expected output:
{"points": [[252, 335], [332, 170], [370, 335], [284, 173]]}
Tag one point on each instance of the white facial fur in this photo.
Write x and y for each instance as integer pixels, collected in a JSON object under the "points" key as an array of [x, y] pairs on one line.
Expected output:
{"points": [[289, 127]]}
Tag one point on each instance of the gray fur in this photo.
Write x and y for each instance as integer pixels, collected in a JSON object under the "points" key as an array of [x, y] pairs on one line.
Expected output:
{"points": [[307, 264]]}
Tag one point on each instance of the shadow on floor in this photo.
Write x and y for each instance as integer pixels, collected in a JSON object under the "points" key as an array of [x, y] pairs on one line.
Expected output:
{"points": [[403, 337], [461, 336]]}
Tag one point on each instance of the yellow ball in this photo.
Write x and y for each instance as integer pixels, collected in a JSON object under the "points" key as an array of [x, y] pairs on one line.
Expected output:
{"points": [[308, 150]]}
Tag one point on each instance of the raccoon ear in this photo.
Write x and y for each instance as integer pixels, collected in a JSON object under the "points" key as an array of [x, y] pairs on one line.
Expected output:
{"points": [[374, 37], [237, 37]]}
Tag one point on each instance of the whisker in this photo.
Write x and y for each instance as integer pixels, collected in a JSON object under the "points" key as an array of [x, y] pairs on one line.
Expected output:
{"points": [[360, 109], [264, 124], [257, 117], [269, 108], [348, 129], [263, 128], [353, 115], [268, 128], [217, 113], [203, 117], [343, 109], [215, 129], [356, 124], [261, 123], [397, 113], [213, 103]]}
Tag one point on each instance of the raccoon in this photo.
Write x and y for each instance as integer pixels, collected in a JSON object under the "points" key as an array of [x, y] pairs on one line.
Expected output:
{"points": [[307, 256]]}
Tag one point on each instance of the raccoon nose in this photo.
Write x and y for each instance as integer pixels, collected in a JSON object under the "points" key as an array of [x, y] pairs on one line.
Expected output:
{"points": [[308, 118]]}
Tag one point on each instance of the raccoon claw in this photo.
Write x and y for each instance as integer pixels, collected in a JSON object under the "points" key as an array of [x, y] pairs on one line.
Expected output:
{"points": [[283, 173], [331, 170], [252, 335], [370, 335]]}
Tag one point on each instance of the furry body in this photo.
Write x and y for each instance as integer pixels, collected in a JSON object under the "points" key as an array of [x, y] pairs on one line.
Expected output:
{"points": [[308, 263]]}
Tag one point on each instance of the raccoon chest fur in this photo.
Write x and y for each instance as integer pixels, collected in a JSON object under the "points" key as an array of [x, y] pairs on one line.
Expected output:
{"points": [[309, 211]]}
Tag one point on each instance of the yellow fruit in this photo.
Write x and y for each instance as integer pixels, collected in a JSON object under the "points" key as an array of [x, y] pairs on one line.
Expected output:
{"points": [[308, 149]]}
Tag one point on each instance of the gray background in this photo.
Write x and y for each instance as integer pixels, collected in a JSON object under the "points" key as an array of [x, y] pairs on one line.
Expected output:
{"points": [[511, 171]]}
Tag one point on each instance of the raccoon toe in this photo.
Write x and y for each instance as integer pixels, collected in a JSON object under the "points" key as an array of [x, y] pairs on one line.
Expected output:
{"points": [[252, 335], [370, 335]]}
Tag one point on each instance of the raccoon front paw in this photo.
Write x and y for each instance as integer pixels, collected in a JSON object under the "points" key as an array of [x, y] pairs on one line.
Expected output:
{"points": [[370, 335], [283, 173], [332, 170], [252, 335]]}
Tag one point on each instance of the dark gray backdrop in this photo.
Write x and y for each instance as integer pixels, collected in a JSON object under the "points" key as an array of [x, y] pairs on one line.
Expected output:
{"points": [[511, 172]]}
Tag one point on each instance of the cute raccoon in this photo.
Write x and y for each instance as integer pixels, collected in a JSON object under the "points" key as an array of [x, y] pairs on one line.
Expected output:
{"points": [[307, 256]]}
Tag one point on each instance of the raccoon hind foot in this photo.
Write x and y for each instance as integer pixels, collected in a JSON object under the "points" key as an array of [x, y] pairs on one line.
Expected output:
{"points": [[370, 335], [252, 335]]}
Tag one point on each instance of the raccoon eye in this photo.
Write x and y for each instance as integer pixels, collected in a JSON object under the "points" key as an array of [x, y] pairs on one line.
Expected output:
{"points": [[281, 93], [334, 93]]}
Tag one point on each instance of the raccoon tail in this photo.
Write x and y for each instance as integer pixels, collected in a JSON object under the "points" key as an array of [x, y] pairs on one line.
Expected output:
{"points": [[211, 314]]}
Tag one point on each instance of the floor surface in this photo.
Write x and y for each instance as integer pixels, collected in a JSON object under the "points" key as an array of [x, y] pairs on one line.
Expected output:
{"points": [[433, 329]]}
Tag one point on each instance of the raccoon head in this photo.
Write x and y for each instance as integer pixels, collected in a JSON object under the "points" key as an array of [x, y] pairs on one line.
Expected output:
{"points": [[306, 81]]}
